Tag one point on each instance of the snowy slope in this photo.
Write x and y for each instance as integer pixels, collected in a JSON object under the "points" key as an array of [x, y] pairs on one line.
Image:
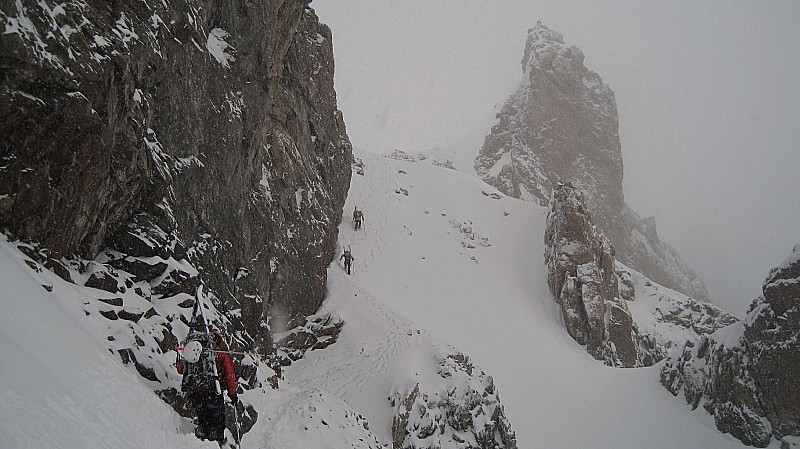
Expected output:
{"points": [[422, 254], [62, 389], [442, 259], [671, 317]]}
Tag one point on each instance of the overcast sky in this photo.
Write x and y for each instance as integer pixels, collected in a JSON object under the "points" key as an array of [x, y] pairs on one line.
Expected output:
{"points": [[708, 94]]}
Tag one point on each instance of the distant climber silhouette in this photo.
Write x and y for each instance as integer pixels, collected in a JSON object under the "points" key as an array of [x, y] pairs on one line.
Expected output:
{"points": [[358, 217], [348, 259]]}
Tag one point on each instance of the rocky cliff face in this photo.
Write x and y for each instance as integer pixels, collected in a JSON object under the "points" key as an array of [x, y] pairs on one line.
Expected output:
{"points": [[193, 130], [583, 279], [150, 146], [594, 290], [562, 124], [746, 376]]}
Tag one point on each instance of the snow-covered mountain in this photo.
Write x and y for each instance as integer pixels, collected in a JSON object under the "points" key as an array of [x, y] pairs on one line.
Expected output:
{"points": [[443, 259], [594, 290], [561, 124], [132, 176], [467, 262]]}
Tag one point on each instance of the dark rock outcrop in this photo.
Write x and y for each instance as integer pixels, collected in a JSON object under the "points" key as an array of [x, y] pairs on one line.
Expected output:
{"points": [[583, 278], [562, 124], [192, 130], [746, 375], [318, 332]]}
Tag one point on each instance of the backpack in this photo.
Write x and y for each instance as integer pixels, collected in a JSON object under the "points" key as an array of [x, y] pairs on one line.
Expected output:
{"points": [[199, 376]]}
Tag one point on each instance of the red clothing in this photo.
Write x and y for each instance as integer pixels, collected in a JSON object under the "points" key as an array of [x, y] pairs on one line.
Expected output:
{"points": [[224, 368]]}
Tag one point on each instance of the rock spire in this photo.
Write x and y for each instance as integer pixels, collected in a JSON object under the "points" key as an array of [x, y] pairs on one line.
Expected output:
{"points": [[562, 124]]}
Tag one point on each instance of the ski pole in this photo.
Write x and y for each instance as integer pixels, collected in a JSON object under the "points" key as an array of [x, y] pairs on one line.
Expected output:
{"points": [[237, 437]]}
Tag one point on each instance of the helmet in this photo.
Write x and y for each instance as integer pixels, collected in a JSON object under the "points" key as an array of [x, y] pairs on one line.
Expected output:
{"points": [[192, 351]]}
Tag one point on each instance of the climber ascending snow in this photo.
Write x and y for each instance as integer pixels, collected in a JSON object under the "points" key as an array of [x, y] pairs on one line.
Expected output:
{"points": [[358, 217], [348, 259], [207, 371]]}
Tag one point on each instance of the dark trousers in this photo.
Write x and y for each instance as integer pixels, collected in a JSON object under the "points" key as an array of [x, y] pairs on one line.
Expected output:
{"points": [[210, 409], [347, 265], [358, 224]]}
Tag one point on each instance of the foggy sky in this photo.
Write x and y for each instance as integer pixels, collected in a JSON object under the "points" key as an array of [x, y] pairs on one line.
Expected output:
{"points": [[708, 94]]}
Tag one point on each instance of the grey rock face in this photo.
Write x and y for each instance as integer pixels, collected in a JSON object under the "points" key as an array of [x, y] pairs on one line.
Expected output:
{"points": [[584, 281], [190, 130], [746, 375], [318, 332], [773, 342], [562, 124]]}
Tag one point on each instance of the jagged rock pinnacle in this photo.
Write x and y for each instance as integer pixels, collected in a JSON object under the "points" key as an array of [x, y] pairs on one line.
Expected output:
{"points": [[562, 124]]}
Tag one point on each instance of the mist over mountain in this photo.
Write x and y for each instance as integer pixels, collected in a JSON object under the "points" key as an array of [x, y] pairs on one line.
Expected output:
{"points": [[165, 157], [706, 93], [562, 125]]}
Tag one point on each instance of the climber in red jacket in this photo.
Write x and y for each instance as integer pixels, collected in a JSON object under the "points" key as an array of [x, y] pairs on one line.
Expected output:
{"points": [[200, 385]]}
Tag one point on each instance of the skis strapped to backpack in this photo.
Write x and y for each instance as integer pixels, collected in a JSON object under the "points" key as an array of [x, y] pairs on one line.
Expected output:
{"points": [[201, 374], [199, 358]]}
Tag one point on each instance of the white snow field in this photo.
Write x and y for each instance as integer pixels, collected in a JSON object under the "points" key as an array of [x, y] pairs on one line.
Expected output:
{"points": [[439, 262], [415, 256]]}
